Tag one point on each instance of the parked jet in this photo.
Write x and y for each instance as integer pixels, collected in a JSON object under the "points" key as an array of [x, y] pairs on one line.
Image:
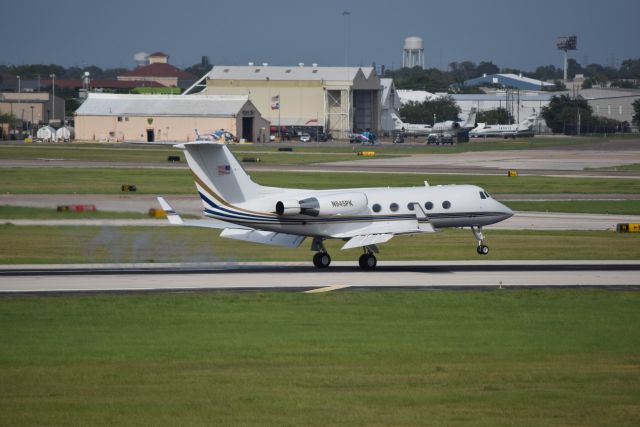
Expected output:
{"points": [[362, 217], [448, 130], [506, 131], [408, 129]]}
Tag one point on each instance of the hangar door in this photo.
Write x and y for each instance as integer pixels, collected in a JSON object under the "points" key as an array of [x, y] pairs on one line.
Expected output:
{"points": [[364, 105], [247, 128]]}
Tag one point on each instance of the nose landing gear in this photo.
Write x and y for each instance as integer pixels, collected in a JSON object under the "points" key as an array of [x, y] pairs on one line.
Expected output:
{"points": [[482, 249]]}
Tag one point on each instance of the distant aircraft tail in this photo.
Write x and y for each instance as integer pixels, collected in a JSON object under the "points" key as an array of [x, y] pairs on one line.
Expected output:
{"points": [[219, 177], [397, 122], [471, 118]]}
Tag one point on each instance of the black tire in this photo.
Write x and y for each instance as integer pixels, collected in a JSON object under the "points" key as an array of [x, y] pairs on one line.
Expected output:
{"points": [[483, 250], [321, 260], [367, 261]]}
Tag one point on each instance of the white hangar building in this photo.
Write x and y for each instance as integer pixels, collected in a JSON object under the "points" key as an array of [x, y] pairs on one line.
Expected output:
{"points": [[156, 118], [339, 99]]}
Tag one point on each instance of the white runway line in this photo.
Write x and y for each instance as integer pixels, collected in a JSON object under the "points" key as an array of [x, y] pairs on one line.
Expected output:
{"points": [[326, 289]]}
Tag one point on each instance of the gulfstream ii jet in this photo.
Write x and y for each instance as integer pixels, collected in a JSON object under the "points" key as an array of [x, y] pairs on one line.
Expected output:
{"points": [[361, 217]]}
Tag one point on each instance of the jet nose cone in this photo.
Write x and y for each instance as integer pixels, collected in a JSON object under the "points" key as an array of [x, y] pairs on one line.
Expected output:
{"points": [[507, 212]]}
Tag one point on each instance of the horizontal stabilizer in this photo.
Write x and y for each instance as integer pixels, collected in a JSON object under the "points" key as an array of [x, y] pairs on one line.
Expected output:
{"points": [[367, 240], [264, 237], [172, 216]]}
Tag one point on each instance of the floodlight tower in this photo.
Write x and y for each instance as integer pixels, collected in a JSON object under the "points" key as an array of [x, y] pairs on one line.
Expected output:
{"points": [[566, 44]]}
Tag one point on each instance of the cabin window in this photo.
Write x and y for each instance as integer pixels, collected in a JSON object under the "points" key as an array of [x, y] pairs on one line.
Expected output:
{"points": [[376, 208], [393, 207], [119, 118], [482, 195], [446, 204], [428, 206], [410, 206]]}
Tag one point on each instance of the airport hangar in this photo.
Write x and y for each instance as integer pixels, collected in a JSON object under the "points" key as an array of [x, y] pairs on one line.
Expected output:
{"points": [[157, 118], [338, 99]]}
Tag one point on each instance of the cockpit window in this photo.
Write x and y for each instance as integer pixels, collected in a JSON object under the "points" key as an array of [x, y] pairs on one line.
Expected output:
{"points": [[487, 194], [482, 195]]}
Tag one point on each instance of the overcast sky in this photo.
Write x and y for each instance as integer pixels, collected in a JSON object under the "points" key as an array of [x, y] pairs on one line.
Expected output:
{"points": [[517, 34]]}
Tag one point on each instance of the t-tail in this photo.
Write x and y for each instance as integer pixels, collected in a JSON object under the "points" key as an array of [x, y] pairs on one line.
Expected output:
{"points": [[471, 118], [219, 177]]}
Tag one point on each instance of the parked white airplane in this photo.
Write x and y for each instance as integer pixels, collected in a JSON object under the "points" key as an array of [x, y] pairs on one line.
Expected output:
{"points": [[363, 217], [409, 128], [507, 131]]}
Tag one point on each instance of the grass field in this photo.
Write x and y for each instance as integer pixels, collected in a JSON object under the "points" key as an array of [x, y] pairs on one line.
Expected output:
{"points": [[503, 357], [155, 181], [66, 244]]}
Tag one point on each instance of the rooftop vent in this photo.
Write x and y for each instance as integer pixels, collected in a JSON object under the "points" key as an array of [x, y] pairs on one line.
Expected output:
{"points": [[315, 64], [300, 64], [250, 64], [288, 70], [265, 64]]}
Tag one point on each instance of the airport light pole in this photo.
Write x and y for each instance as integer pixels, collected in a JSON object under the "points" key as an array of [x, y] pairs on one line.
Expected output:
{"points": [[31, 133], [53, 97], [19, 84]]}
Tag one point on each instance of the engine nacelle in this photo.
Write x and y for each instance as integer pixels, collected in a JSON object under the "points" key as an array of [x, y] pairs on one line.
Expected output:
{"points": [[329, 205], [288, 207]]}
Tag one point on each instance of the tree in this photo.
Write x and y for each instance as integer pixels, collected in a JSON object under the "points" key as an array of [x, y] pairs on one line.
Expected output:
{"points": [[636, 111], [630, 69], [573, 68], [444, 108], [462, 71], [561, 114], [487, 68], [587, 83], [494, 117]]}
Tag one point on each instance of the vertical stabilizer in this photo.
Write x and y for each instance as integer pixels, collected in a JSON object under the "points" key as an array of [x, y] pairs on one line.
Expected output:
{"points": [[218, 174], [471, 119]]}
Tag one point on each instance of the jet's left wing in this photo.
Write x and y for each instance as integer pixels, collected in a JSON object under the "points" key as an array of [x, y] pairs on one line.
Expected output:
{"points": [[176, 219]]}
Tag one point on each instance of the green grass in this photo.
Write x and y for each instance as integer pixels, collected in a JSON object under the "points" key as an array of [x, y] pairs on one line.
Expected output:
{"points": [[18, 212], [526, 357], [88, 244], [156, 181], [614, 207]]}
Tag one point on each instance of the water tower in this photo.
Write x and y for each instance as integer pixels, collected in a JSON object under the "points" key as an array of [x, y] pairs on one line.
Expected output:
{"points": [[413, 53]]}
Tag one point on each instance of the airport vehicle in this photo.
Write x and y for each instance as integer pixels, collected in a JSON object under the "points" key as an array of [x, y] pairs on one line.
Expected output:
{"points": [[524, 128], [441, 138], [362, 217]]}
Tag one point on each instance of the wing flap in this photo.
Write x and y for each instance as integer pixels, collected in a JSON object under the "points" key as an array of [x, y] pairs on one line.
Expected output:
{"points": [[264, 237], [367, 240]]}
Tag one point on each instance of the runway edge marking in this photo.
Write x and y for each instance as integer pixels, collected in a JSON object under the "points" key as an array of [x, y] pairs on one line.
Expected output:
{"points": [[326, 289]]}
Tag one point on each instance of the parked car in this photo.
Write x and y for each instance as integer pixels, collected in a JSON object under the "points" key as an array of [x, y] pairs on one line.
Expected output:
{"points": [[305, 137]]}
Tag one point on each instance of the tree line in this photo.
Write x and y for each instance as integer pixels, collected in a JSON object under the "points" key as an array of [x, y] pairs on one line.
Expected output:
{"points": [[435, 80]]}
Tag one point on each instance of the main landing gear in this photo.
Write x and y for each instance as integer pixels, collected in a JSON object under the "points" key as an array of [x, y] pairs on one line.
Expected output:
{"points": [[367, 260], [482, 249], [321, 258]]}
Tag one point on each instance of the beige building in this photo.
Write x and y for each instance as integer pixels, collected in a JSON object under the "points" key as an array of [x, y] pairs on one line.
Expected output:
{"points": [[157, 118], [160, 71], [339, 99], [26, 106]]}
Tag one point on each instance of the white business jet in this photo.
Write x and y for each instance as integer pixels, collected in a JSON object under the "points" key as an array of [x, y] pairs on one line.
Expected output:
{"points": [[362, 217]]}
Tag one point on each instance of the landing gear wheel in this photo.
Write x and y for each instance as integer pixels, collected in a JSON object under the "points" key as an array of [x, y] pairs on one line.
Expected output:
{"points": [[367, 261], [321, 260], [482, 249]]}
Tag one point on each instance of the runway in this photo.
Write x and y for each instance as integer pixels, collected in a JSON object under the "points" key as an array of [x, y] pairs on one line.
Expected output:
{"points": [[303, 277]]}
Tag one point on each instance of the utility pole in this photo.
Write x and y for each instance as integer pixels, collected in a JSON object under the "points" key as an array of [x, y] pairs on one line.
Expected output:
{"points": [[53, 98]]}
